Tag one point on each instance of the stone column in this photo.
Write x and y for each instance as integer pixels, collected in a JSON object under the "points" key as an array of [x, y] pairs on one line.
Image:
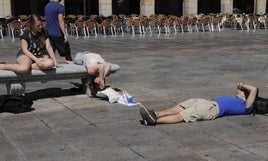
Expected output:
{"points": [[147, 7], [5, 8], [105, 7], [226, 6], [189, 7], [260, 6]]}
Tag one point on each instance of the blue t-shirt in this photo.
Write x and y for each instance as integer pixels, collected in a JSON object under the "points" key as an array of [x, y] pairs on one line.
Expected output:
{"points": [[230, 105], [52, 10]]}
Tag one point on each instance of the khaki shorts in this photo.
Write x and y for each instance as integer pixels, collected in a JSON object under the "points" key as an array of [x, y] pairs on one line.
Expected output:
{"points": [[199, 109]]}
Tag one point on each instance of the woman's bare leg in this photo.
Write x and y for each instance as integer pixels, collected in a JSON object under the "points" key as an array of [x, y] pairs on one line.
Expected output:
{"points": [[46, 63], [23, 65]]}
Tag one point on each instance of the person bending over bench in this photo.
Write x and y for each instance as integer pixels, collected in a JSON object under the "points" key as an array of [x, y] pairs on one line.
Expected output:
{"points": [[193, 110], [96, 67]]}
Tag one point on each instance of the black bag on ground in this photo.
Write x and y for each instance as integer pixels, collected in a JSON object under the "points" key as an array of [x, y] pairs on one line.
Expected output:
{"points": [[260, 105], [15, 104]]}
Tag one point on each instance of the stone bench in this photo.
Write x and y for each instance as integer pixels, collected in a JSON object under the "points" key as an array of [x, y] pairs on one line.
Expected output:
{"points": [[16, 83]]}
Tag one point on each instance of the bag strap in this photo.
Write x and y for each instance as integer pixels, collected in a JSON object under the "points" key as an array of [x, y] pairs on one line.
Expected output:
{"points": [[255, 102]]}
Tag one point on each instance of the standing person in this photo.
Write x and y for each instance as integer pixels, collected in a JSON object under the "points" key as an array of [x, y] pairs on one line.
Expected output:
{"points": [[193, 110], [35, 52], [55, 26]]}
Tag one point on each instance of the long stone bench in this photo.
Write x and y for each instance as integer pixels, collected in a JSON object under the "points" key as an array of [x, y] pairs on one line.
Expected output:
{"points": [[16, 83]]}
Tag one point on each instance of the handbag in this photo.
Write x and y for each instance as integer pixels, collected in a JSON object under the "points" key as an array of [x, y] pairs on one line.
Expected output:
{"points": [[127, 99], [109, 93]]}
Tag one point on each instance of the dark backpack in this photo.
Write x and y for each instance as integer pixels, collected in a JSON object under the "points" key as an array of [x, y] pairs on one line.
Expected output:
{"points": [[260, 105], [15, 104]]}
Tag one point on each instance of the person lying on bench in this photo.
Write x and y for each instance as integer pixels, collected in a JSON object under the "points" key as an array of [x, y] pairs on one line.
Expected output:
{"points": [[35, 52], [193, 110], [96, 66]]}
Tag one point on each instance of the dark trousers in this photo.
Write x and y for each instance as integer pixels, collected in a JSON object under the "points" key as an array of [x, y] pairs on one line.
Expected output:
{"points": [[62, 47]]}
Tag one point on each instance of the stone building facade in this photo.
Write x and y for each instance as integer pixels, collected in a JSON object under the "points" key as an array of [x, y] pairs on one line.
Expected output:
{"points": [[147, 7]]}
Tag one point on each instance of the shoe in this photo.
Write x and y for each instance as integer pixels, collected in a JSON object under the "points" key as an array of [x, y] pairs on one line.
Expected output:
{"points": [[144, 122], [148, 116]]}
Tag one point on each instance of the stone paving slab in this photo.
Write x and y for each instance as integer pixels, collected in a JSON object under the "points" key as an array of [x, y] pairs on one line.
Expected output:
{"points": [[159, 71]]}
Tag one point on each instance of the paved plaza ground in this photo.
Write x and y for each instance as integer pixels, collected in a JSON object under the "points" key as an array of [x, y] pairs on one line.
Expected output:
{"points": [[159, 71]]}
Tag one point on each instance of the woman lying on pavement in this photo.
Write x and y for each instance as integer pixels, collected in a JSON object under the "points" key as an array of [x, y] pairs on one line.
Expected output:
{"points": [[198, 109]]}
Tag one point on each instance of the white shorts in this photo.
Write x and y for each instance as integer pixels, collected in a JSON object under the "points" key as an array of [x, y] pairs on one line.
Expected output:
{"points": [[90, 59]]}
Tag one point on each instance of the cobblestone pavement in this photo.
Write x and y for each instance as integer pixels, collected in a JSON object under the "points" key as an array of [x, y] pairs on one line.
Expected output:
{"points": [[159, 71]]}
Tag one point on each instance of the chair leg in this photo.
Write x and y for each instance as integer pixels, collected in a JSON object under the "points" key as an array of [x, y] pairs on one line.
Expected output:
{"points": [[76, 32], [112, 31], [133, 30], [12, 33], [203, 27], [104, 31], [1, 33], [85, 33], [182, 29], [95, 30]]}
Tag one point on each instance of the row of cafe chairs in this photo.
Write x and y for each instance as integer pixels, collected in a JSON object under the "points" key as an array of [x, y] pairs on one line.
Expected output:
{"points": [[120, 24]]}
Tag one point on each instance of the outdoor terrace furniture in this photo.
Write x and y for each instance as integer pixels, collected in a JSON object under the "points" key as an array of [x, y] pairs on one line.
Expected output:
{"points": [[183, 22], [263, 21], [80, 27], [15, 28], [1, 30], [107, 26], [16, 83], [118, 27], [91, 27]]}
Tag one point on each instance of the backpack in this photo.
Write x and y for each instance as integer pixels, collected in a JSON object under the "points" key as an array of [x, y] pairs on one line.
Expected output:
{"points": [[15, 104], [260, 105]]}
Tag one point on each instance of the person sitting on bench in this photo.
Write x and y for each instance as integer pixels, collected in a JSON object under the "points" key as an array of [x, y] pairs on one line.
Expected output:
{"points": [[36, 51]]}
